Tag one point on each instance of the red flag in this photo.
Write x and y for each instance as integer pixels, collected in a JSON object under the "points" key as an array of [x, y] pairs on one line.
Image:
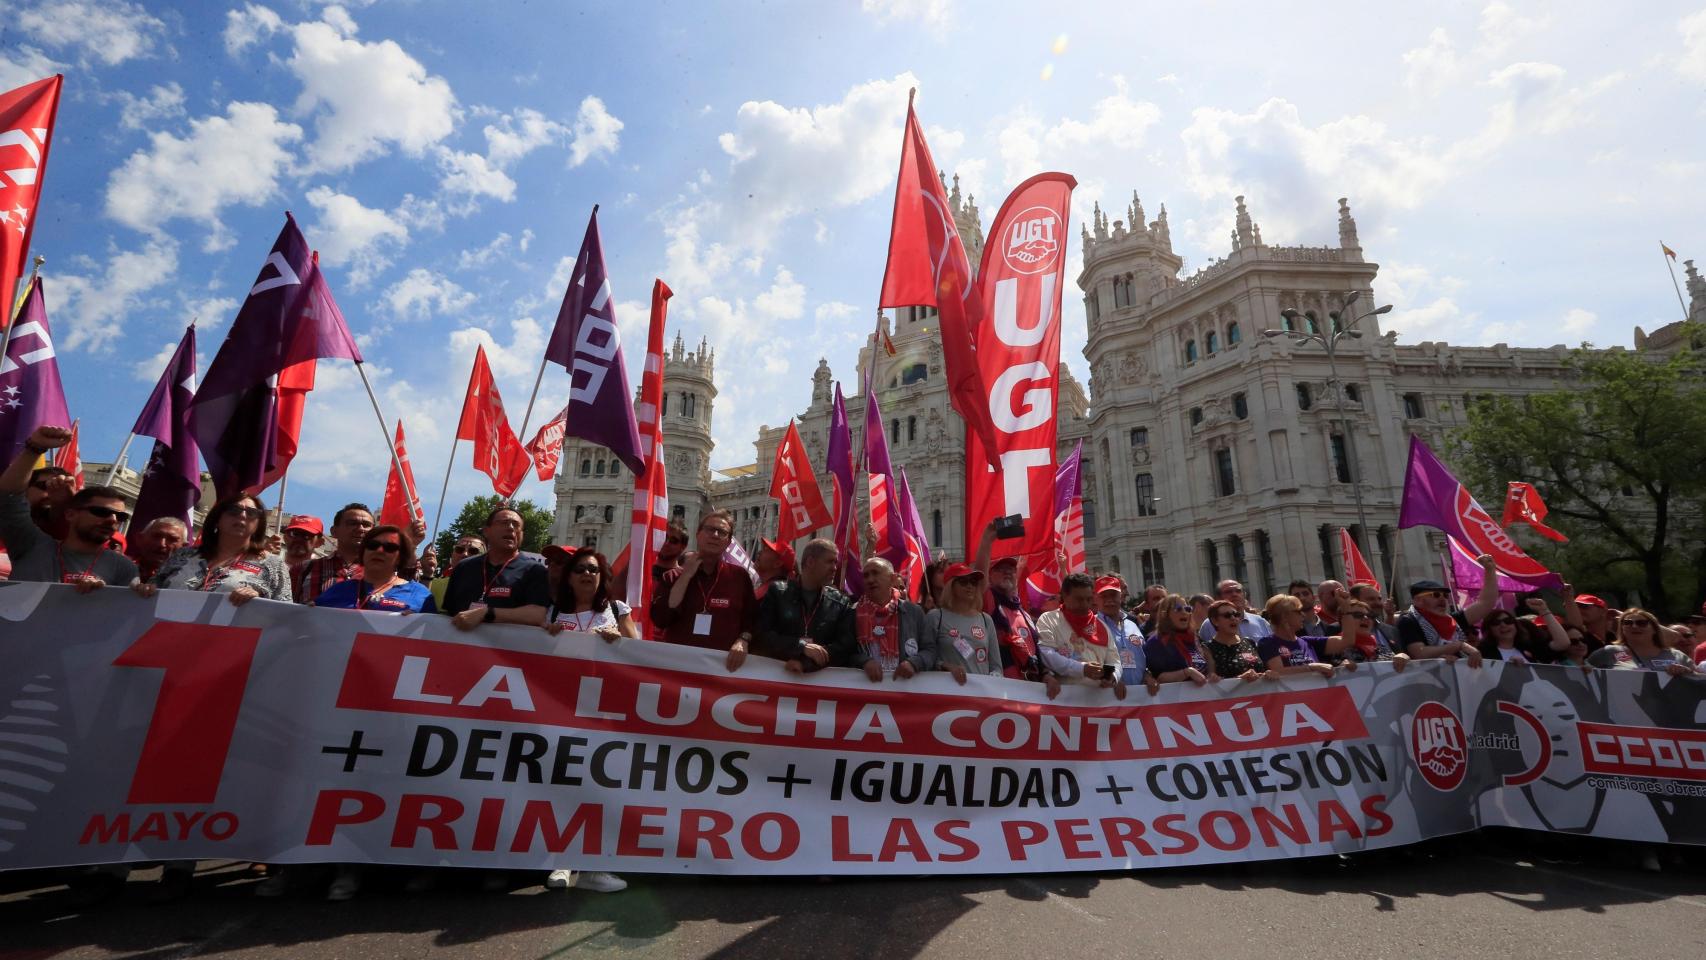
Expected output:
{"points": [[794, 487], [295, 382], [546, 447], [927, 266], [26, 129], [402, 504], [1357, 569], [67, 458], [650, 521], [497, 452], [1020, 281], [1523, 503]]}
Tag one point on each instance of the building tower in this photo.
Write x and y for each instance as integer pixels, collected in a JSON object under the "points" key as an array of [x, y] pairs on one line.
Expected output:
{"points": [[689, 393]]}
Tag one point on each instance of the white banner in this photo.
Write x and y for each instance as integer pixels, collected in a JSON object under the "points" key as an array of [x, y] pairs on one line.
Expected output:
{"points": [[183, 727]]}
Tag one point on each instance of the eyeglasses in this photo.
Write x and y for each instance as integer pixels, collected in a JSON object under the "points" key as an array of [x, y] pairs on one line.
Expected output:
{"points": [[1181, 608], [1227, 615], [584, 568], [389, 546], [1639, 623], [247, 513], [1435, 594], [721, 532], [108, 512], [1357, 616], [459, 549]]}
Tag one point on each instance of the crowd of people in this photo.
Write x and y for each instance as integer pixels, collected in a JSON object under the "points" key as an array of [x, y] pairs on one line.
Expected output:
{"points": [[969, 617]]}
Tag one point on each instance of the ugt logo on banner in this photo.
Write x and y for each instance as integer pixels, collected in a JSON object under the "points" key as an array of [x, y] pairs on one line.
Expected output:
{"points": [[1438, 746], [1031, 244]]}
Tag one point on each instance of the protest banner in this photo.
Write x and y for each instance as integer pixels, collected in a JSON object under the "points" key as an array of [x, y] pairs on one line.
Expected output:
{"points": [[184, 727]]}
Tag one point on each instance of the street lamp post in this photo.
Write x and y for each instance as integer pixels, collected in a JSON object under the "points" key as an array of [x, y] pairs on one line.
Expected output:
{"points": [[1329, 342]]}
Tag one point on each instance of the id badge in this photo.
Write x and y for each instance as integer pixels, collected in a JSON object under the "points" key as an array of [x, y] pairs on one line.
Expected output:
{"points": [[701, 624], [964, 647]]}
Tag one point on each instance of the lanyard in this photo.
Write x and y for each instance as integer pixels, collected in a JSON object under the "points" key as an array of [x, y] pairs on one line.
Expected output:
{"points": [[705, 593], [362, 601], [88, 571], [207, 578], [487, 578], [811, 614]]}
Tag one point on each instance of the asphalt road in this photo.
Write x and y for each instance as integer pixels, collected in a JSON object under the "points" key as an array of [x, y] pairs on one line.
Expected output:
{"points": [[1486, 896]]}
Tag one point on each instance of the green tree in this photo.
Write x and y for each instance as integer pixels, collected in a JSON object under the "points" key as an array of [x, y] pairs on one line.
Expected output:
{"points": [[1619, 455], [535, 531]]}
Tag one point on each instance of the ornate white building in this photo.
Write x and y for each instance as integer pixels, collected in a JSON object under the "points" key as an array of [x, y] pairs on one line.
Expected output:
{"points": [[1210, 450]]}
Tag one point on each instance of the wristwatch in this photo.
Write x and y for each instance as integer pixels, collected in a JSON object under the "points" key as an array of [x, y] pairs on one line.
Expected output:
{"points": [[491, 615]]}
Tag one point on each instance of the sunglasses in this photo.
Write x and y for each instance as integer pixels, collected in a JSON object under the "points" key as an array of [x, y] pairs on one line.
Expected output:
{"points": [[247, 513], [457, 550], [1223, 615], [105, 513], [1501, 622], [1435, 594], [1639, 623], [584, 568], [1357, 616], [298, 534], [389, 546]]}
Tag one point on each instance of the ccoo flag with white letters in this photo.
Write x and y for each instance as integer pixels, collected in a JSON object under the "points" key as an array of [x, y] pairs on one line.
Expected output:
{"points": [[1018, 350]]}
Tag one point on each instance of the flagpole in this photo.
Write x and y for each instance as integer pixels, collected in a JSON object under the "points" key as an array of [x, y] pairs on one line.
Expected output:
{"points": [[118, 461], [278, 512], [439, 515], [12, 313], [396, 461], [1670, 264]]}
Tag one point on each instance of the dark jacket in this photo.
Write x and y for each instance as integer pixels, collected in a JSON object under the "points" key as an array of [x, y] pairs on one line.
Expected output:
{"points": [[914, 647], [781, 625]]}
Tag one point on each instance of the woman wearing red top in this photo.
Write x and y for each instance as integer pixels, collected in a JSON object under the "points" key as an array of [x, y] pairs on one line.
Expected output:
{"points": [[1172, 655]]}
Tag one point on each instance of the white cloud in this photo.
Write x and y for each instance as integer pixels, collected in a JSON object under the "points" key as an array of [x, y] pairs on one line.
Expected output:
{"points": [[110, 32], [423, 293], [1501, 26], [93, 308], [163, 102], [246, 27], [1577, 322], [833, 310], [148, 369], [482, 257], [1429, 68], [470, 175], [236, 158], [26, 65], [351, 235], [1692, 63], [1117, 126], [735, 324], [935, 14], [516, 135], [375, 96], [595, 132]]}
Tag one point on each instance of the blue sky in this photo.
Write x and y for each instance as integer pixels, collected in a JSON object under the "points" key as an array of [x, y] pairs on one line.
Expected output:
{"points": [[1512, 167]]}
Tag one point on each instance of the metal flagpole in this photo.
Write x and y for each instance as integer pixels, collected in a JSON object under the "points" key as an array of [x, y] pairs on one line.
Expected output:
{"points": [[118, 461], [1670, 264], [396, 461], [439, 515]]}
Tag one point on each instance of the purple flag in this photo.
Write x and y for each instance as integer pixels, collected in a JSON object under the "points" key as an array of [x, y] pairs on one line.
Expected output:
{"points": [[1466, 574], [1433, 497], [171, 483], [287, 317], [1067, 521], [910, 520], [840, 470], [31, 395], [885, 517], [586, 343]]}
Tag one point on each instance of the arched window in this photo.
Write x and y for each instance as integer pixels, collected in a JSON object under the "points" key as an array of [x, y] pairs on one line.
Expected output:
{"points": [[917, 373], [609, 514], [935, 526], [586, 468], [688, 405], [911, 429], [1212, 342], [665, 411], [1353, 393], [1196, 416], [1190, 351], [579, 513], [1233, 335], [598, 469], [894, 430], [1240, 406], [1304, 400], [1313, 326], [1288, 325]]}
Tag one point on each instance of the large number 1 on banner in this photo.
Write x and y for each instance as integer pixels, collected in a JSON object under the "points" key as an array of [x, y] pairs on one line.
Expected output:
{"points": [[195, 715]]}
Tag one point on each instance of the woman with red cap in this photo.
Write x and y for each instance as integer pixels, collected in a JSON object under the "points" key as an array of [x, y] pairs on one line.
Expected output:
{"points": [[963, 634]]}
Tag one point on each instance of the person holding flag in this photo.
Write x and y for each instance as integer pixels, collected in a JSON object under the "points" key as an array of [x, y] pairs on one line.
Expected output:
{"points": [[93, 516]]}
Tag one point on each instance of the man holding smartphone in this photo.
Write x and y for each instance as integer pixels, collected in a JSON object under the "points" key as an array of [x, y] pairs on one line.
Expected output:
{"points": [[1075, 643], [1015, 630]]}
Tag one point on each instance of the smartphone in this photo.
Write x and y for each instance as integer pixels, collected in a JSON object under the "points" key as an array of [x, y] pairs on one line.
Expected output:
{"points": [[1011, 527]]}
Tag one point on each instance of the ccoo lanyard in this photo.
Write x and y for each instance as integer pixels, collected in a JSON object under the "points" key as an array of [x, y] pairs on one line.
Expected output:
{"points": [[706, 593], [362, 601], [88, 571], [486, 578]]}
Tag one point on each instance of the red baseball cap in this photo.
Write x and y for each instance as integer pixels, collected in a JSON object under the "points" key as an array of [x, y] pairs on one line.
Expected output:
{"points": [[1589, 600], [958, 571], [783, 550], [309, 525], [553, 550], [1004, 561], [1108, 583]]}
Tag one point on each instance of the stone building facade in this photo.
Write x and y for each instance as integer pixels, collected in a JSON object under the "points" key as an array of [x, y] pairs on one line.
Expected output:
{"points": [[1211, 450]]}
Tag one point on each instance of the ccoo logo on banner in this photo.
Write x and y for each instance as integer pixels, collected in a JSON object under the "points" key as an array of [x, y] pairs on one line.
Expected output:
{"points": [[180, 727]]}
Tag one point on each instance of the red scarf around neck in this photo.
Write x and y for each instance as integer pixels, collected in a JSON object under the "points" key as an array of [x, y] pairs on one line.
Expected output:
{"points": [[1087, 626]]}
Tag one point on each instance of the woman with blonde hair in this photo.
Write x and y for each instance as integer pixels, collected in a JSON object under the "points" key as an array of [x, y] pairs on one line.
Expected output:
{"points": [[1642, 644], [1284, 651]]}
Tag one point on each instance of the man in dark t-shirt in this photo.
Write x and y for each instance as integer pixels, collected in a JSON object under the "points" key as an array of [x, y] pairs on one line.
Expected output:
{"points": [[502, 586]]}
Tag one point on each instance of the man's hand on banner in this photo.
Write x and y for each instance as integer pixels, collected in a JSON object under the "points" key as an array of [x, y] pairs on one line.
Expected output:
{"points": [[874, 671], [469, 618], [143, 590], [904, 671], [88, 584], [737, 650], [1119, 688], [958, 672], [1051, 682], [1151, 684]]}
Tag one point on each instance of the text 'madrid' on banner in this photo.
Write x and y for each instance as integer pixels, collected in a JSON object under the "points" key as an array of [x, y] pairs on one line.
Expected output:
{"points": [[182, 727]]}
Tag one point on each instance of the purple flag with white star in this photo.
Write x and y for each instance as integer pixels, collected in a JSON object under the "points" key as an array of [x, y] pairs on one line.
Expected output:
{"points": [[586, 343], [31, 395], [171, 482]]}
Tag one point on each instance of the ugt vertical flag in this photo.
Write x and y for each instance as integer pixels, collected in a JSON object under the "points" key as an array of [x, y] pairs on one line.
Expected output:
{"points": [[497, 452], [401, 504], [795, 490], [585, 342], [26, 130], [928, 267], [840, 469], [1433, 497], [879, 474], [30, 392], [171, 483], [649, 523], [1018, 350]]}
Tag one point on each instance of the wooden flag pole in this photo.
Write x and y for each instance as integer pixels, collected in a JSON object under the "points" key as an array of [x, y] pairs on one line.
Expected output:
{"points": [[396, 461]]}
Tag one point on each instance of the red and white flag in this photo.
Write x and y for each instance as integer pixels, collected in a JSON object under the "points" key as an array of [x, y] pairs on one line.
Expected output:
{"points": [[26, 130], [68, 458], [651, 486], [401, 504], [794, 487], [497, 452], [927, 267], [1018, 350], [1523, 504], [1357, 569], [546, 447]]}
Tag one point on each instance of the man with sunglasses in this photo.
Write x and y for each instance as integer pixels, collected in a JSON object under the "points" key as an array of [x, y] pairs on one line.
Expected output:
{"points": [[1251, 626], [1433, 629], [92, 516], [466, 546], [349, 528]]}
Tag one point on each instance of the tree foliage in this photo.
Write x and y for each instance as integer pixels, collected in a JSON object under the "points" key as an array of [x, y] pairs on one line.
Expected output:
{"points": [[535, 531], [1619, 456]]}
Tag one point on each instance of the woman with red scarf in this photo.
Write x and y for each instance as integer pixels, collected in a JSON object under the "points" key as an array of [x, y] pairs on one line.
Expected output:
{"points": [[1173, 655], [1074, 643], [1358, 642]]}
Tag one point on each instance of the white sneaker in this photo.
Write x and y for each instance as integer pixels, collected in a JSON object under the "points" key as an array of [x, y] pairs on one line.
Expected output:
{"points": [[560, 880], [600, 882]]}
